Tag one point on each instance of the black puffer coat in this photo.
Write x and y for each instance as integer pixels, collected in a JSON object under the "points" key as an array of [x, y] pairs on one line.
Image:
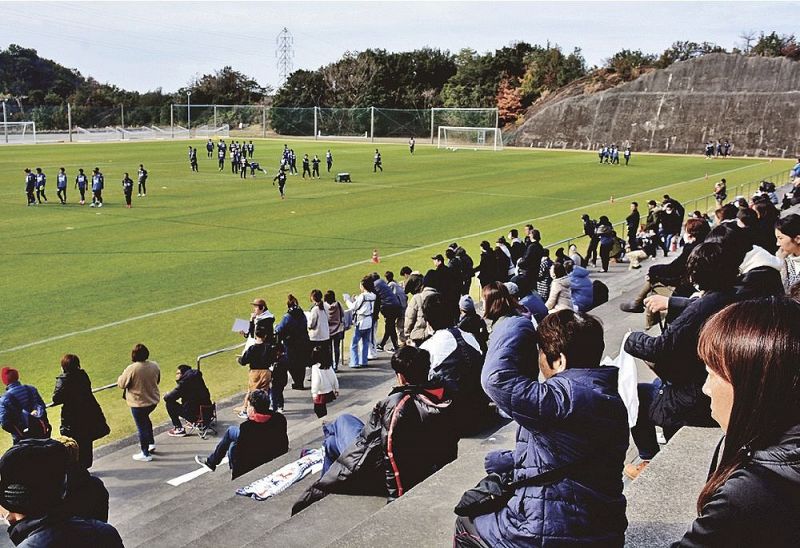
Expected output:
{"points": [[81, 415], [410, 436], [758, 505]]}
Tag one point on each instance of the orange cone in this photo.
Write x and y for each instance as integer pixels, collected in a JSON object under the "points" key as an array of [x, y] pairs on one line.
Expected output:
{"points": [[375, 257]]}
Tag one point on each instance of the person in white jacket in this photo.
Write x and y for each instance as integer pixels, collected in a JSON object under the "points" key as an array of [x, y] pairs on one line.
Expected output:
{"points": [[362, 307], [324, 384]]}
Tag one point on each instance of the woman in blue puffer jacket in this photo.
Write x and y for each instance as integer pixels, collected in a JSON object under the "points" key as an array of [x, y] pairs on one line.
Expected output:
{"points": [[581, 287], [575, 418]]}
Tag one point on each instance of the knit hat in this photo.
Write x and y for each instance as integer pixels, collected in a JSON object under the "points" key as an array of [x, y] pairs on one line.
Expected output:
{"points": [[33, 476], [9, 375], [466, 304], [513, 288]]}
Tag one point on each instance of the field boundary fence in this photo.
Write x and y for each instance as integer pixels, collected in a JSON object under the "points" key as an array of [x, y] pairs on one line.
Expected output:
{"points": [[80, 123]]}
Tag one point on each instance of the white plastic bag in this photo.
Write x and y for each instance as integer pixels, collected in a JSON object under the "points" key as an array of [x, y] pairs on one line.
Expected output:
{"points": [[628, 381]]}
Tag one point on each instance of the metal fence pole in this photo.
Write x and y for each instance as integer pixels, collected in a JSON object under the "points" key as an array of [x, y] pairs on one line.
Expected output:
{"points": [[215, 117], [69, 121], [122, 117], [5, 122], [264, 121], [172, 121], [372, 124], [315, 122]]}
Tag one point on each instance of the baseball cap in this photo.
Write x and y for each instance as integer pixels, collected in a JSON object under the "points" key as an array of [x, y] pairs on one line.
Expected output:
{"points": [[438, 257]]}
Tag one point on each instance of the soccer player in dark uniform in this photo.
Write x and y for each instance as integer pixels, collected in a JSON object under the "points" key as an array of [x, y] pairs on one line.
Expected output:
{"points": [[251, 149], [315, 167], [190, 154], [221, 146], [210, 148], [627, 155], [411, 143], [243, 149], [82, 183], [221, 157], [193, 160], [244, 165], [30, 186], [41, 181], [329, 160], [235, 160], [127, 189], [306, 166], [98, 181], [142, 177], [378, 164], [61, 186], [255, 166], [281, 178], [293, 161]]}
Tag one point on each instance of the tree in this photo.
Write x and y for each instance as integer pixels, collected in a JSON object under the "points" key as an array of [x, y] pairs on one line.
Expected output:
{"points": [[628, 64], [547, 69], [225, 86], [775, 45], [509, 102], [684, 50]]}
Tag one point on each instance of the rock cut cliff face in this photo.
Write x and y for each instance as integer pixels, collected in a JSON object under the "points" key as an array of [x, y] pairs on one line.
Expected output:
{"points": [[752, 101]]}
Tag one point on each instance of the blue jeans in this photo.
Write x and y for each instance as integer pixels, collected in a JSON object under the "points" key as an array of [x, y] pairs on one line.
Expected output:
{"points": [[225, 446], [141, 416], [339, 434], [363, 336], [644, 431]]}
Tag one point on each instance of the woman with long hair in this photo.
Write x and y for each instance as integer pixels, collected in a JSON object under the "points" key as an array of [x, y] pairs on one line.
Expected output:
{"points": [[787, 234], [752, 496], [319, 332], [292, 331]]}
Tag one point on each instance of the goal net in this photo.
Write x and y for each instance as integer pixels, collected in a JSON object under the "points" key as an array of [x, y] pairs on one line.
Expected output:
{"points": [[209, 132], [17, 132], [476, 138]]}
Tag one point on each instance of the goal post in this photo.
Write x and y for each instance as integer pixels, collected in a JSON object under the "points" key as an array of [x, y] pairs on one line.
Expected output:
{"points": [[476, 138], [18, 132], [463, 117]]}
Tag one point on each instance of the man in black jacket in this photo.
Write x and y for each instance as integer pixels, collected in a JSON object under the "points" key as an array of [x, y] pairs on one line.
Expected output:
{"points": [[258, 440], [632, 225], [33, 476], [533, 256], [410, 436], [675, 398], [191, 389]]}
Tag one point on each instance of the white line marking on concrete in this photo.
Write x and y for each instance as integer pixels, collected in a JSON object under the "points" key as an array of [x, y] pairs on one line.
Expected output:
{"points": [[351, 265], [180, 480]]}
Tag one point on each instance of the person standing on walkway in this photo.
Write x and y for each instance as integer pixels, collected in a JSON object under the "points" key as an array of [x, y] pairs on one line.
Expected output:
{"points": [[82, 419], [139, 382]]}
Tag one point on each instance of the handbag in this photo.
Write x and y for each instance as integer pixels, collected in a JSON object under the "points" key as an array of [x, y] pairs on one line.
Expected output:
{"points": [[492, 493]]}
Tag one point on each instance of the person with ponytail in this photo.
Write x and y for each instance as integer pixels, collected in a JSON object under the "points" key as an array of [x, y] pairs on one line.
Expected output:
{"points": [[752, 496]]}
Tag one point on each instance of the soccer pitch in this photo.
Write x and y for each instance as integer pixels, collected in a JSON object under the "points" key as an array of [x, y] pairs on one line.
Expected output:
{"points": [[176, 269]]}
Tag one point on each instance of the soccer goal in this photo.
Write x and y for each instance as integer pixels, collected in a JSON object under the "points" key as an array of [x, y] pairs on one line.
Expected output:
{"points": [[476, 138], [210, 132], [18, 132]]}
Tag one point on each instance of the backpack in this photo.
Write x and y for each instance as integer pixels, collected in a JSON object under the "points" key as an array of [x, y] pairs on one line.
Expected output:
{"points": [[30, 427], [599, 293]]}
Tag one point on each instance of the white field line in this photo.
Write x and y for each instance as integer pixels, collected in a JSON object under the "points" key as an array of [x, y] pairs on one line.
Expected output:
{"points": [[349, 265]]}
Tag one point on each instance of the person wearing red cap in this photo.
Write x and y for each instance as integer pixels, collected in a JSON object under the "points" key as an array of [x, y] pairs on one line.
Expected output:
{"points": [[22, 411]]}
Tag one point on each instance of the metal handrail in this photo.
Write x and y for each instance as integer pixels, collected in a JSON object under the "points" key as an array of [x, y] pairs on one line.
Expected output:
{"points": [[215, 352], [742, 189], [94, 391]]}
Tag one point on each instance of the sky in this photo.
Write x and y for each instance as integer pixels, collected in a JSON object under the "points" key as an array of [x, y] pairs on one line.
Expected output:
{"points": [[148, 45]]}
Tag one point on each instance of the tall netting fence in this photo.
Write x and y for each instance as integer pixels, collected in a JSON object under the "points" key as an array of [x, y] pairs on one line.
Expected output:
{"points": [[71, 123]]}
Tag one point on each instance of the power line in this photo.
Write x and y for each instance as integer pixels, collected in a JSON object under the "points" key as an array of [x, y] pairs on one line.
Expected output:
{"points": [[284, 51]]}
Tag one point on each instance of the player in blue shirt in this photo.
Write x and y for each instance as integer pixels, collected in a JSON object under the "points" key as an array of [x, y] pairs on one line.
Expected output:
{"points": [[306, 166], [292, 162], [315, 167], [251, 148], [127, 189], [61, 186], [193, 159], [30, 186], [627, 155], [210, 148], [98, 181], [82, 183], [378, 163], [329, 160], [221, 158], [142, 176], [41, 181], [281, 178]]}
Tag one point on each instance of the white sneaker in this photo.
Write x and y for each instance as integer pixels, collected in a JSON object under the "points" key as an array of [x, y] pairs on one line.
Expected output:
{"points": [[100, 204], [139, 195], [280, 410], [142, 457], [89, 206], [152, 447]]}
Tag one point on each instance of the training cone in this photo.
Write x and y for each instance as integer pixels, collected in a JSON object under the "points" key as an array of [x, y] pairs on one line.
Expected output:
{"points": [[375, 257]]}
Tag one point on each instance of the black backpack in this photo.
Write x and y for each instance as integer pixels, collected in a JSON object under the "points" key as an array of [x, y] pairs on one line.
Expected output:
{"points": [[599, 293]]}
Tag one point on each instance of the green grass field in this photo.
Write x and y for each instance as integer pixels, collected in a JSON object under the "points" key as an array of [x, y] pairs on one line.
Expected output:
{"points": [[176, 269]]}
